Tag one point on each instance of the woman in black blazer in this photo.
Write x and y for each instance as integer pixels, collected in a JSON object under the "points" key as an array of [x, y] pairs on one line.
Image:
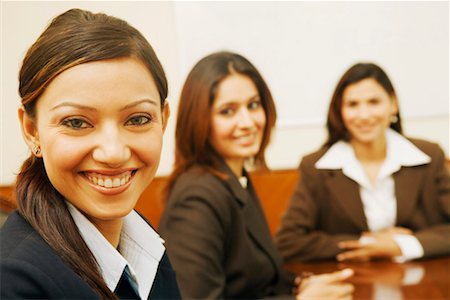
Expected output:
{"points": [[93, 114], [214, 227]]}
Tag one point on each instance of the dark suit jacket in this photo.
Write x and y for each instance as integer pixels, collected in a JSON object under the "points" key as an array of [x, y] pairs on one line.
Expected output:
{"points": [[326, 208], [30, 268], [218, 240]]}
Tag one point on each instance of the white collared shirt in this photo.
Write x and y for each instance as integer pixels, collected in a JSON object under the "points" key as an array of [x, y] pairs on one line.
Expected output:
{"points": [[141, 248], [379, 200]]}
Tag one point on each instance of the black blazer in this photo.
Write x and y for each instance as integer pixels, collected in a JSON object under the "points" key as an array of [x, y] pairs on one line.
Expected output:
{"points": [[30, 268], [218, 240], [326, 208]]}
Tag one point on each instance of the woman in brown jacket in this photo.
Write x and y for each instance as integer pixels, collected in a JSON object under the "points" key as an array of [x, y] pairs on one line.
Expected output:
{"points": [[215, 231], [370, 192]]}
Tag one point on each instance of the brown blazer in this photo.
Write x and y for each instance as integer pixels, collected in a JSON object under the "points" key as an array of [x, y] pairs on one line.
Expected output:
{"points": [[218, 240], [326, 208]]}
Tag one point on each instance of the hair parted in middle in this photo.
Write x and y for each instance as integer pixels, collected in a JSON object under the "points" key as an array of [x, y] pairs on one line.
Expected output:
{"points": [[193, 127], [356, 73]]}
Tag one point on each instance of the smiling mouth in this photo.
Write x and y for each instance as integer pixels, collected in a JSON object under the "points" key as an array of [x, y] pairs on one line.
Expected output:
{"points": [[246, 139], [109, 181], [365, 128]]}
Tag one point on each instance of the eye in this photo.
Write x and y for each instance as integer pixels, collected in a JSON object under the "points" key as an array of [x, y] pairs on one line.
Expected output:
{"points": [[76, 123], [374, 101], [350, 103], [139, 120], [228, 111], [254, 105]]}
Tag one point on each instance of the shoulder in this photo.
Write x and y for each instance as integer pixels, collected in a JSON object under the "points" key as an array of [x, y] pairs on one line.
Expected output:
{"points": [[197, 182], [22, 244], [30, 268], [200, 190], [18, 238], [309, 160], [431, 149], [198, 202]]}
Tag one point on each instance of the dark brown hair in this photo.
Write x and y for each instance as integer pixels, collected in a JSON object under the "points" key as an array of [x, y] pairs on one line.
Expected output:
{"points": [[192, 145], [72, 38], [358, 72]]}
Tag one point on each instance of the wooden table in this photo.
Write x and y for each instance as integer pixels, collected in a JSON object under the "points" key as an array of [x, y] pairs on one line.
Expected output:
{"points": [[382, 280]]}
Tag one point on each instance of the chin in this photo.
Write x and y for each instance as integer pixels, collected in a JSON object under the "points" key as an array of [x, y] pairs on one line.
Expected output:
{"points": [[248, 154]]}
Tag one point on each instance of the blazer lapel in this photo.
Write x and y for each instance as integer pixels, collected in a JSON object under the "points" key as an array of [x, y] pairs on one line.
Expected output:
{"points": [[346, 193], [257, 226], [407, 185], [254, 216], [165, 284]]}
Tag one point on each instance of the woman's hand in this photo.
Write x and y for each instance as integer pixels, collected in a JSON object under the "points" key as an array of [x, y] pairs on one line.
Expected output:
{"points": [[327, 286], [372, 245]]}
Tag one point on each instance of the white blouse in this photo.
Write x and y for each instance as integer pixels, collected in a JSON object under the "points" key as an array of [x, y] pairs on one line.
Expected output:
{"points": [[379, 201], [141, 248]]}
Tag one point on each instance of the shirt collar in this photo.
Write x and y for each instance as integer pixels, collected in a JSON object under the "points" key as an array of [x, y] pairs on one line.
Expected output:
{"points": [[141, 249], [400, 152]]}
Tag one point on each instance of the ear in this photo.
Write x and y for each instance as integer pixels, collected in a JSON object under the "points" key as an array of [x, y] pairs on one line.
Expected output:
{"points": [[165, 115], [29, 129]]}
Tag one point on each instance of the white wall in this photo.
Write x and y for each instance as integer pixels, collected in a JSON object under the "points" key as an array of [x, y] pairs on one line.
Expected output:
{"points": [[301, 48]]}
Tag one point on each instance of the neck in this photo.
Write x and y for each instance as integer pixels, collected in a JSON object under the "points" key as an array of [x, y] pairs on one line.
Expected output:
{"points": [[110, 230], [236, 166], [370, 152]]}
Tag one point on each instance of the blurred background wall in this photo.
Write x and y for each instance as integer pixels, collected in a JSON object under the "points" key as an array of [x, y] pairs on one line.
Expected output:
{"points": [[301, 49]]}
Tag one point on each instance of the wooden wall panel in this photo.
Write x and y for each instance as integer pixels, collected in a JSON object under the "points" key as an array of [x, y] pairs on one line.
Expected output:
{"points": [[273, 187]]}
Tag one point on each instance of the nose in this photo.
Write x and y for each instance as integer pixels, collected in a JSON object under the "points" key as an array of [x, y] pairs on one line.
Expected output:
{"points": [[111, 147], [245, 118], [364, 111]]}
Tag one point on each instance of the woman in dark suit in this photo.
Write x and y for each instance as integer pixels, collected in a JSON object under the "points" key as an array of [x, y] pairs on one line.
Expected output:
{"points": [[93, 114], [214, 227], [370, 192]]}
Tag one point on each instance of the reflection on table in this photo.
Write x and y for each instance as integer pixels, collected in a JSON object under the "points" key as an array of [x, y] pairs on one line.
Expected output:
{"points": [[383, 280]]}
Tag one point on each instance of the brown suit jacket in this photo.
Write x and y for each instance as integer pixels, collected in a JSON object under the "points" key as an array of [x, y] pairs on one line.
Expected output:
{"points": [[218, 240], [326, 208]]}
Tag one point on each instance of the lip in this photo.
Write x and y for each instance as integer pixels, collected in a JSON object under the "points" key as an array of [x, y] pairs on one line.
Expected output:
{"points": [[365, 128], [108, 172], [246, 140], [113, 190]]}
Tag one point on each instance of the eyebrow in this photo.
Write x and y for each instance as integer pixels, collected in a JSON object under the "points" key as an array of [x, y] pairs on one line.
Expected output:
{"points": [[255, 97], [85, 107], [72, 104], [151, 101]]}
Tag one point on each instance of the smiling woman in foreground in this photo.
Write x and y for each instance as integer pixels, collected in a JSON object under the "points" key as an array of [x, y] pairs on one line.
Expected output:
{"points": [[93, 114]]}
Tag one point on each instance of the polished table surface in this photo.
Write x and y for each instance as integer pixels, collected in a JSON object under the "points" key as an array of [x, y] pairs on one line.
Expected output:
{"points": [[382, 280]]}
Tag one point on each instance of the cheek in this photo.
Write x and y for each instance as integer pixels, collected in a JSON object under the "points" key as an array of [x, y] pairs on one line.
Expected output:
{"points": [[346, 116], [220, 128], [218, 136], [384, 112], [148, 148], [261, 119], [64, 153]]}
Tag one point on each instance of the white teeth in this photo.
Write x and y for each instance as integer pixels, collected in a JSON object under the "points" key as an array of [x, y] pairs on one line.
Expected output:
{"points": [[116, 182], [246, 138], [109, 181]]}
